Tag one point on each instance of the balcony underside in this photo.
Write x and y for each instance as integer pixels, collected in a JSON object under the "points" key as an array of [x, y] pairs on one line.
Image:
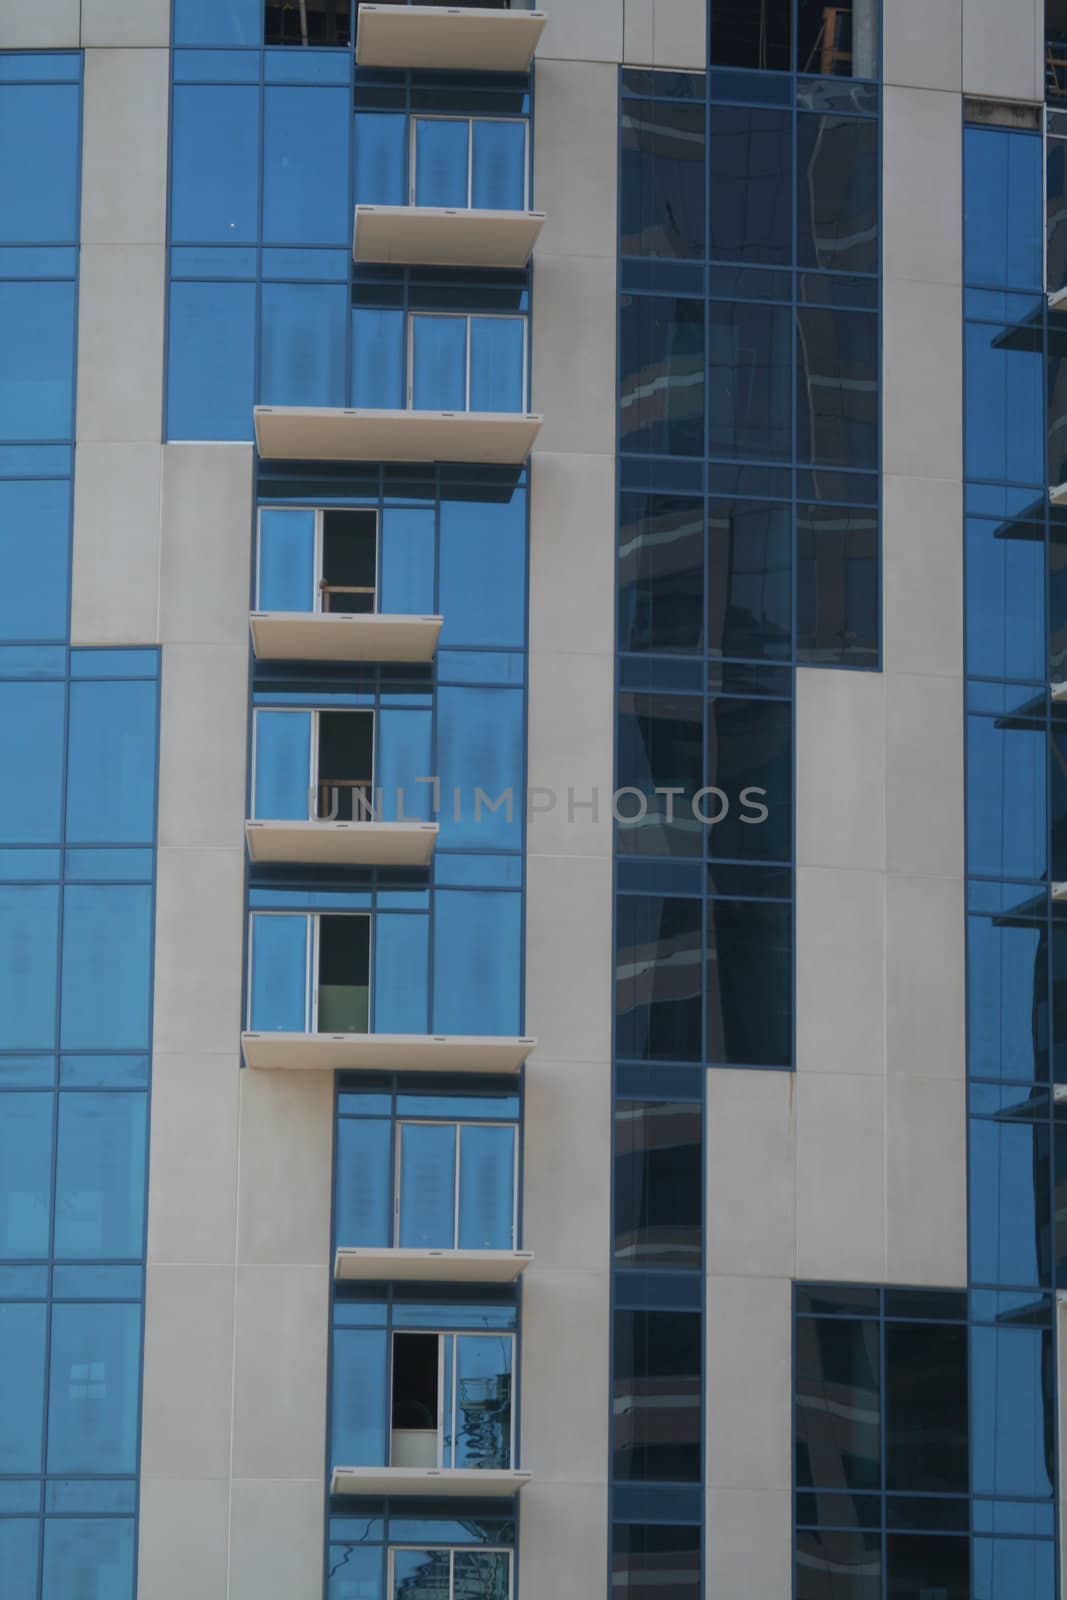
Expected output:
{"points": [[430, 1266], [447, 39], [385, 1052], [321, 433], [463, 1483], [431, 236], [334, 636], [350, 844]]}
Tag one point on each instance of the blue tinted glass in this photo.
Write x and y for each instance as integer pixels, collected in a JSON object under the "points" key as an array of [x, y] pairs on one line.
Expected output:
{"points": [[377, 358], [218, 22], [111, 773], [380, 159], [29, 928], [837, 388], [100, 1175], [302, 350], [355, 1572], [1009, 1189], [1008, 1001], [496, 356], [407, 556], [439, 363], [88, 866], [360, 1398], [498, 166], [477, 960], [278, 999], [22, 1354], [1004, 415], [88, 1556], [1005, 607], [37, 372], [401, 972], [1006, 1567], [216, 66], [104, 1072], [282, 764], [35, 559], [363, 1211], [483, 571], [93, 1389], [441, 159], [1006, 805], [1003, 206], [97, 1283], [305, 166], [96, 663], [403, 758], [205, 262], [107, 949], [427, 1186], [1008, 1397], [286, 561], [212, 355], [282, 64], [661, 404], [480, 748], [215, 153], [486, 1188], [39, 134], [312, 265], [483, 1402], [19, 1538], [31, 762], [25, 1177]]}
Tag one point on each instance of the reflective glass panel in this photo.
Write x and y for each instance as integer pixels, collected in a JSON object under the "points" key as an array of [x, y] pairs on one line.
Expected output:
{"points": [[750, 597], [838, 1388], [407, 562], [215, 165], [917, 1565], [25, 1176], [218, 22], [926, 1441], [100, 1176], [107, 949], [656, 1405], [363, 1210], [378, 358], [838, 585], [286, 560], [19, 1539], [661, 402], [482, 1402], [660, 748], [380, 164], [1003, 233], [481, 1575], [480, 735], [658, 985], [742, 36], [439, 363], [29, 933], [1010, 1183], [837, 388], [750, 379], [476, 962], [302, 344], [279, 980], [31, 762], [211, 361], [1005, 606], [442, 154], [497, 346], [661, 573], [1008, 999], [282, 764], [306, 136], [85, 1556], [1012, 1377], [659, 1182], [360, 1396], [23, 1341], [749, 984], [35, 558], [427, 1186], [40, 133], [750, 762], [750, 162], [1004, 416], [663, 178], [1006, 798], [482, 581], [401, 971], [486, 1188], [93, 1389], [1005, 1567], [498, 165], [37, 373], [111, 763], [648, 1561], [837, 193]]}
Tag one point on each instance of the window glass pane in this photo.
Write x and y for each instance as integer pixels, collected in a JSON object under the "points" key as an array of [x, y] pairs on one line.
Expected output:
{"points": [[498, 166], [1006, 799], [407, 562], [742, 36], [425, 1574], [360, 1398], [483, 1402], [441, 156], [37, 373], [750, 761], [100, 1176], [93, 1389], [837, 193], [661, 403], [481, 1575], [19, 1538], [838, 1434], [401, 971], [1003, 234], [380, 165], [661, 193], [750, 177], [1009, 1184], [659, 1184], [364, 1203], [439, 363], [656, 1404], [378, 358], [218, 22], [35, 556], [40, 128], [1007, 999], [838, 574], [660, 747], [355, 1572], [750, 378], [302, 349], [215, 156], [750, 973], [1004, 414], [1005, 609], [111, 788], [926, 1408], [31, 762], [487, 1188], [658, 978], [211, 361], [107, 946], [305, 166], [496, 358], [483, 570], [427, 1186], [286, 560], [480, 735], [838, 1565], [1011, 1377], [1005, 1567], [649, 1562], [25, 1178], [1056, 213], [282, 764], [661, 573], [837, 388], [23, 1339], [278, 998], [916, 1565], [29, 931], [477, 961], [404, 756]]}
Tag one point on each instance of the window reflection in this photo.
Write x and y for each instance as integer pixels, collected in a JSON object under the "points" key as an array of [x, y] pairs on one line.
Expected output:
{"points": [[838, 585], [750, 165], [838, 1564], [656, 1407], [749, 984], [661, 401], [837, 388], [1008, 998], [837, 193], [661, 573], [659, 1183], [749, 579], [658, 981], [838, 1403], [663, 179], [660, 747], [926, 1408], [650, 1561], [750, 376]]}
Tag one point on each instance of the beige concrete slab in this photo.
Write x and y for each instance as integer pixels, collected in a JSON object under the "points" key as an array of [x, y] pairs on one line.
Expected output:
{"points": [[430, 1266], [320, 433], [447, 39], [385, 1052], [438, 236], [334, 636], [430, 1483], [382, 844]]}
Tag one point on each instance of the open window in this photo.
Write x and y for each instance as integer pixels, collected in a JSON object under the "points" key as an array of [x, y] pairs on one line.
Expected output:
{"points": [[318, 560], [456, 1185], [307, 22], [448, 1573], [451, 1400], [309, 974], [313, 765]]}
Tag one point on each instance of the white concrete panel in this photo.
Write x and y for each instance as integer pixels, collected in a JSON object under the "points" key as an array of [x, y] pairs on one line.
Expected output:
{"points": [[192, 1210], [120, 343], [116, 22], [279, 1413], [571, 978], [285, 1167], [591, 31], [572, 553], [921, 206], [199, 940], [127, 96], [749, 1383], [188, 1370], [566, 1402], [922, 343], [574, 315], [570, 754], [40, 25], [839, 760], [840, 982], [749, 1540], [926, 1182], [1003, 47], [182, 1548], [639, 32], [202, 759], [566, 1161], [924, 965], [681, 34], [207, 543], [841, 1135], [924, 775], [577, 109], [750, 1140], [922, 576], [115, 585], [564, 1540], [923, 44], [276, 1542]]}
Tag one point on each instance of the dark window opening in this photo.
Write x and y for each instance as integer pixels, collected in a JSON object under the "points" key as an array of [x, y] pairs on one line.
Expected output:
{"points": [[349, 562], [415, 1381], [307, 22], [839, 41], [344, 974], [751, 33], [346, 766]]}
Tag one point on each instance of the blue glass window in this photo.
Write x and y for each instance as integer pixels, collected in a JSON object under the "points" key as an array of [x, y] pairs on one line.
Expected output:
{"points": [[1005, 606], [380, 164], [363, 1213], [1009, 1368], [1010, 1174], [428, 1156], [442, 157], [302, 348], [25, 1178], [279, 974], [37, 373], [212, 355], [83, 1555], [439, 363], [482, 592], [39, 133], [480, 748], [837, 388], [107, 950], [282, 774], [661, 401], [215, 157], [750, 380], [401, 968], [218, 22], [93, 1389], [750, 165], [111, 782], [378, 358], [19, 1539], [658, 985], [477, 962], [498, 165], [100, 1176], [1004, 435], [31, 762], [29, 933], [1008, 1001], [360, 1398], [838, 193], [305, 166], [23, 1340], [497, 353], [35, 559], [407, 561], [1006, 798], [1003, 209], [286, 560], [486, 1188], [662, 188]]}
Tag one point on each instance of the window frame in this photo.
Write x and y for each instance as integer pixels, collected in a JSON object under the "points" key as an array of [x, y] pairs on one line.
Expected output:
{"points": [[453, 1550], [441, 1334], [315, 713], [467, 317], [415, 117], [319, 513], [312, 953], [458, 1125]]}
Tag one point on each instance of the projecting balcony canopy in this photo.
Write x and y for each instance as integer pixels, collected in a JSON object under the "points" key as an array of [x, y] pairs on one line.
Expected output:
{"points": [[319, 433], [385, 1052], [447, 38], [439, 236], [465, 1483], [336, 636], [350, 844], [430, 1266]]}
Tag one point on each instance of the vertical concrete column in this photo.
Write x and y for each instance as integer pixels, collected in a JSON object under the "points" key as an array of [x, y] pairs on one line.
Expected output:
{"points": [[1004, 48], [666, 33], [567, 1155]]}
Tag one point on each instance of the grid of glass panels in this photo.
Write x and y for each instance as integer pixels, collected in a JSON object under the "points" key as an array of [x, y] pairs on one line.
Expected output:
{"points": [[401, 1552]]}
